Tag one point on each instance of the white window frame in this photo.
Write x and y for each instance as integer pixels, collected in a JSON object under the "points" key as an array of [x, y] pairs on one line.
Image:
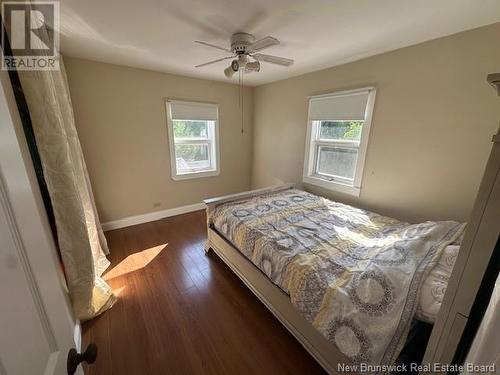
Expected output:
{"points": [[213, 142], [313, 142]]}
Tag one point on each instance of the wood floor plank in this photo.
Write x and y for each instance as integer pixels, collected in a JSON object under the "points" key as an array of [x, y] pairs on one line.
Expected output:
{"points": [[180, 311]]}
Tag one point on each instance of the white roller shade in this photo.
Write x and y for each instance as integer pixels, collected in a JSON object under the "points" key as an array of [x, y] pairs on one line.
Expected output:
{"points": [[341, 106], [193, 111]]}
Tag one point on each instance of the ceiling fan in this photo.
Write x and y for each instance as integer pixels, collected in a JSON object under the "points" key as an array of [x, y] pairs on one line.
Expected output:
{"points": [[244, 49]]}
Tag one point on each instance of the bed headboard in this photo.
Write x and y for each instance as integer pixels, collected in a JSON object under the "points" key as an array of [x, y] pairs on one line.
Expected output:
{"points": [[211, 203]]}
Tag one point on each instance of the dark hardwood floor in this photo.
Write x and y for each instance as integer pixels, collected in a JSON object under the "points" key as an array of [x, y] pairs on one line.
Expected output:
{"points": [[183, 312]]}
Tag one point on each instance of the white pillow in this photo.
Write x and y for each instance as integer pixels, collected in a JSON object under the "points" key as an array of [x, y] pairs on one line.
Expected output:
{"points": [[434, 286]]}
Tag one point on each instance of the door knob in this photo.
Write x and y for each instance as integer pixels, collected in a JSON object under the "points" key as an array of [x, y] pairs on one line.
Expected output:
{"points": [[75, 358]]}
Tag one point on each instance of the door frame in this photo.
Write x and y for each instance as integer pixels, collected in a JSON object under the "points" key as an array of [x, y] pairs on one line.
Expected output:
{"points": [[21, 200], [475, 252]]}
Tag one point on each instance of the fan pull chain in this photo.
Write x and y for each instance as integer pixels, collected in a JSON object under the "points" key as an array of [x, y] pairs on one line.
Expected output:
{"points": [[242, 103], [240, 96]]}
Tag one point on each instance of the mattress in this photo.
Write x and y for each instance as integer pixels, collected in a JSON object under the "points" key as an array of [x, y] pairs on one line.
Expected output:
{"points": [[355, 275]]}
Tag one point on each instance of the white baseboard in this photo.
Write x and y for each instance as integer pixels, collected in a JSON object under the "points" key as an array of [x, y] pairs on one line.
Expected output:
{"points": [[152, 216]]}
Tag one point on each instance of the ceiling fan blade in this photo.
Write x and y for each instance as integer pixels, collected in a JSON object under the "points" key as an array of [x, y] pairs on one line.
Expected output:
{"points": [[266, 42], [273, 59], [213, 46], [214, 61]]}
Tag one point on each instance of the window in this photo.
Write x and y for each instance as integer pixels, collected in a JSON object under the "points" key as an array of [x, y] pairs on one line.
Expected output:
{"points": [[194, 140], [337, 137]]}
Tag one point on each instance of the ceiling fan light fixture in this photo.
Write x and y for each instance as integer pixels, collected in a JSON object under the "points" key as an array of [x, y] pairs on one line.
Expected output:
{"points": [[235, 65], [231, 69], [228, 72], [244, 47], [253, 66]]}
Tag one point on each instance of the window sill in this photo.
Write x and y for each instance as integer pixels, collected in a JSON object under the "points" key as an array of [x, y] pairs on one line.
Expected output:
{"points": [[189, 176], [332, 185]]}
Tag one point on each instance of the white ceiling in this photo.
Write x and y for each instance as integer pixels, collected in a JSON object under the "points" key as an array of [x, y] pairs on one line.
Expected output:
{"points": [[159, 34]]}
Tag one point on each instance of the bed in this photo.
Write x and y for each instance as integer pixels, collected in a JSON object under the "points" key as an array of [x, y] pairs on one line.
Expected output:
{"points": [[344, 281]]}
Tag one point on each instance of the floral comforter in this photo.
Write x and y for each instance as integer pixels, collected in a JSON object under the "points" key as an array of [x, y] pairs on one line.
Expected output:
{"points": [[353, 274]]}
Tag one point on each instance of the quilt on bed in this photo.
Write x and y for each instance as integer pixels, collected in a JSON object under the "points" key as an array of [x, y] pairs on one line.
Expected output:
{"points": [[353, 274]]}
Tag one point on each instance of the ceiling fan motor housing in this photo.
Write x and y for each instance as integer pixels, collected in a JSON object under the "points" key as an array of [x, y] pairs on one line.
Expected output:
{"points": [[240, 42]]}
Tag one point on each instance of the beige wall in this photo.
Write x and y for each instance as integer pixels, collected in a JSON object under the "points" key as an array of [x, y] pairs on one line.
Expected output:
{"points": [[432, 124], [433, 119], [121, 122]]}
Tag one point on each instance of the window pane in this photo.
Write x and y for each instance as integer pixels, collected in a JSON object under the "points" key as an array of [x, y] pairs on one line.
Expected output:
{"points": [[342, 130], [191, 157], [190, 129], [337, 161]]}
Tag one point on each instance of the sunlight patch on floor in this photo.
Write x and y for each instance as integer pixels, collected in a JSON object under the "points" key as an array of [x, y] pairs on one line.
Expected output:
{"points": [[119, 292], [134, 262]]}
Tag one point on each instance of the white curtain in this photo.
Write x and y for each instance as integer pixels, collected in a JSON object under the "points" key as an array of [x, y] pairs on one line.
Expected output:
{"points": [[81, 239]]}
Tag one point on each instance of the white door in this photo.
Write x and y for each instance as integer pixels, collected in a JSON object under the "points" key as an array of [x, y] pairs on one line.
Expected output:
{"points": [[36, 326]]}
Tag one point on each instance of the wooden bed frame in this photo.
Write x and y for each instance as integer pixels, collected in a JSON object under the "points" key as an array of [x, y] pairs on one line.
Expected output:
{"points": [[327, 355], [480, 238]]}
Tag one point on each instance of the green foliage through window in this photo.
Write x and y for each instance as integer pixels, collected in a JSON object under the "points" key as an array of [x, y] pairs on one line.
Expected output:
{"points": [[192, 153], [190, 129], [342, 130], [191, 156]]}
